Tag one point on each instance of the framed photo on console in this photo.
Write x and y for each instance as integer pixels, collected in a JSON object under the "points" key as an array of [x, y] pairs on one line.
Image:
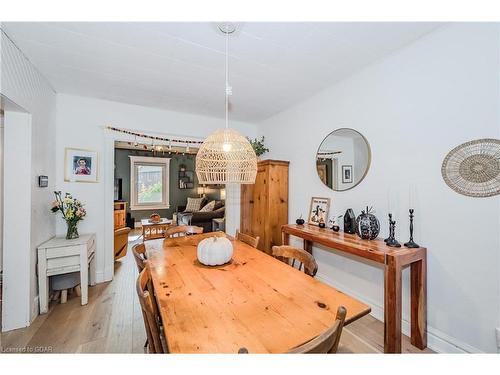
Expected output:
{"points": [[318, 211], [80, 165]]}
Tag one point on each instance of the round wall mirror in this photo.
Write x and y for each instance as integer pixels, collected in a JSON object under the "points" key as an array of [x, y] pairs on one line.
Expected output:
{"points": [[343, 159]]}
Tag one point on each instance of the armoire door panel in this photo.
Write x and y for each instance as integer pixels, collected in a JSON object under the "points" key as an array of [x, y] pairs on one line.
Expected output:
{"points": [[264, 205]]}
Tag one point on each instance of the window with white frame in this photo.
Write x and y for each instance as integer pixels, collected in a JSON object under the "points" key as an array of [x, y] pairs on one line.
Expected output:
{"points": [[149, 183]]}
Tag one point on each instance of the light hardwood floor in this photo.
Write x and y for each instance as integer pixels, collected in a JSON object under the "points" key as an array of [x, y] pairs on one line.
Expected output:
{"points": [[112, 323]]}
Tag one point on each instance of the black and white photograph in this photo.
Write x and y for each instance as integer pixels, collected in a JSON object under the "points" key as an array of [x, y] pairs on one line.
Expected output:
{"points": [[347, 174]]}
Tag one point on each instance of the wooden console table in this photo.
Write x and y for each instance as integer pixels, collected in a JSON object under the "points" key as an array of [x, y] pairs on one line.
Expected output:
{"points": [[394, 260]]}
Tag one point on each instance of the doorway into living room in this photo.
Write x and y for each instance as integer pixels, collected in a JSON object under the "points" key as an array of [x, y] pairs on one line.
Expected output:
{"points": [[155, 187]]}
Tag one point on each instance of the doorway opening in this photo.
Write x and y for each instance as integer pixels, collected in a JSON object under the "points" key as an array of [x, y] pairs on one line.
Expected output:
{"points": [[15, 215]]}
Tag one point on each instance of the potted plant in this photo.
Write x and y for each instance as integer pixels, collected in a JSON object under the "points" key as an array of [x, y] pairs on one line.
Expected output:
{"points": [[258, 146], [72, 210]]}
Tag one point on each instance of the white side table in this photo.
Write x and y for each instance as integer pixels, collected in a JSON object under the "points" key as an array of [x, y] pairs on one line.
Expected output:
{"points": [[58, 256]]}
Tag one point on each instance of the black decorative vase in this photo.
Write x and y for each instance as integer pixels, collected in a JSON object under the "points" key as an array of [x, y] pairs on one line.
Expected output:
{"points": [[350, 221], [300, 221], [321, 224], [367, 225]]}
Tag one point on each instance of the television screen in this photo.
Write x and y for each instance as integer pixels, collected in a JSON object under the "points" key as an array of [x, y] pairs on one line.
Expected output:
{"points": [[118, 189]]}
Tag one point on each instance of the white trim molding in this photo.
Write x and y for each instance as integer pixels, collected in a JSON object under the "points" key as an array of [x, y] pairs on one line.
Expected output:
{"points": [[17, 303]]}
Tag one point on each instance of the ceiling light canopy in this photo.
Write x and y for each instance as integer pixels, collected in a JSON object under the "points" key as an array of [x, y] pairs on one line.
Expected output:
{"points": [[226, 156]]}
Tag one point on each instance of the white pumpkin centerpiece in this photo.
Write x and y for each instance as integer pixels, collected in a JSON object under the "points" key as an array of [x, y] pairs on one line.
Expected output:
{"points": [[214, 251]]}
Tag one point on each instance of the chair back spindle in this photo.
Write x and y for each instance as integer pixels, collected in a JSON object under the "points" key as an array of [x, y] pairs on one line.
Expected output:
{"points": [[246, 238], [139, 252], [328, 341], [306, 260]]}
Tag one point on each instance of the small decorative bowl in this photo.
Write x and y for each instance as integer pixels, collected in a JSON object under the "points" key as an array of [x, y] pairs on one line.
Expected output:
{"points": [[300, 221], [321, 225], [155, 218]]}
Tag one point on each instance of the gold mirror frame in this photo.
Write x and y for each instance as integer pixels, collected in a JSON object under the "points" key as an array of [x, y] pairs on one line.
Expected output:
{"points": [[367, 165]]}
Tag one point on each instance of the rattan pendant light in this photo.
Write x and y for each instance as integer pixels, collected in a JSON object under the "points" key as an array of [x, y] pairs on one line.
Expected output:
{"points": [[226, 156]]}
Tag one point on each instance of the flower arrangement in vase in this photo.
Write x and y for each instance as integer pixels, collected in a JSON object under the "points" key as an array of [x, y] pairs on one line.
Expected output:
{"points": [[72, 211]]}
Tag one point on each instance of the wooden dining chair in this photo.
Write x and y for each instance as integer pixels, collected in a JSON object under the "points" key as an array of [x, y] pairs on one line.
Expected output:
{"points": [[306, 260], [139, 252], [328, 341], [156, 341], [246, 238], [182, 230]]}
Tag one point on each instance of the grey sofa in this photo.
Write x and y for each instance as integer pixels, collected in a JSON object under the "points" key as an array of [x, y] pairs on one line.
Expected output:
{"points": [[201, 219]]}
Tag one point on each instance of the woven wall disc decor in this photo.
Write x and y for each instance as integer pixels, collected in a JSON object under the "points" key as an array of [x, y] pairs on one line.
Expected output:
{"points": [[473, 168]]}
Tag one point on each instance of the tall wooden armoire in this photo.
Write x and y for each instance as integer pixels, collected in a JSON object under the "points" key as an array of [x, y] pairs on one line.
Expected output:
{"points": [[264, 205]]}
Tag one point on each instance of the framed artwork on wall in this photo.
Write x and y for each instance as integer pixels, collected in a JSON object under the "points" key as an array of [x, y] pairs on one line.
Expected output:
{"points": [[347, 174], [322, 173], [318, 211], [80, 165]]}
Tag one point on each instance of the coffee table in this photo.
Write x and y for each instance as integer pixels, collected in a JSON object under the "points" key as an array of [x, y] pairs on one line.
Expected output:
{"points": [[154, 230]]}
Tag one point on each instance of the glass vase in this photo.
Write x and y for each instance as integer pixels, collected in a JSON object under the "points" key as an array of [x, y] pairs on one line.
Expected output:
{"points": [[72, 231]]}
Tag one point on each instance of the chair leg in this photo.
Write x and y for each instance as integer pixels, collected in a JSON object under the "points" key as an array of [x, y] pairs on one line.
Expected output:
{"points": [[64, 296], [57, 295]]}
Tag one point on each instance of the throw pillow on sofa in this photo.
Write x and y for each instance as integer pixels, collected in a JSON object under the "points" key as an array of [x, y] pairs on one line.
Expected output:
{"points": [[194, 204], [209, 207]]}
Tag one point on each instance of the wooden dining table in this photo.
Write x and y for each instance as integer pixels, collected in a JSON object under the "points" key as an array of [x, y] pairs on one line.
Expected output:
{"points": [[254, 302]]}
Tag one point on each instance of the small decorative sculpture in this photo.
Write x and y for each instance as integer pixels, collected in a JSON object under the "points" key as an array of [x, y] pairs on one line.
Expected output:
{"points": [[321, 223], [350, 221], [388, 238], [300, 221], [334, 227], [411, 244], [214, 251], [367, 225], [391, 241]]}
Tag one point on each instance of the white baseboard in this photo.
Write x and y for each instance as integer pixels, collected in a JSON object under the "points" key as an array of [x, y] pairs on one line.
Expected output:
{"points": [[437, 340], [103, 276], [35, 308]]}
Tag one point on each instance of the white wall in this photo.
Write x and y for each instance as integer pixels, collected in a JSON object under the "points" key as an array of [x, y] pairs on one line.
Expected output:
{"points": [[26, 87], [413, 107], [1, 192], [80, 124], [17, 240]]}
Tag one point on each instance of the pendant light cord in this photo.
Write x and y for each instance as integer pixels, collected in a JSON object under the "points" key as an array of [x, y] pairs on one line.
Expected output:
{"points": [[227, 83]]}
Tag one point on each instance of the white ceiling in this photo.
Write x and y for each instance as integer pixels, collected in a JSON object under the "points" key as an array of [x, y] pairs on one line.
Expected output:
{"points": [[180, 66]]}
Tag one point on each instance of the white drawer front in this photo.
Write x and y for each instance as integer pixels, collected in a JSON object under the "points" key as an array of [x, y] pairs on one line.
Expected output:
{"points": [[62, 262], [59, 252]]}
